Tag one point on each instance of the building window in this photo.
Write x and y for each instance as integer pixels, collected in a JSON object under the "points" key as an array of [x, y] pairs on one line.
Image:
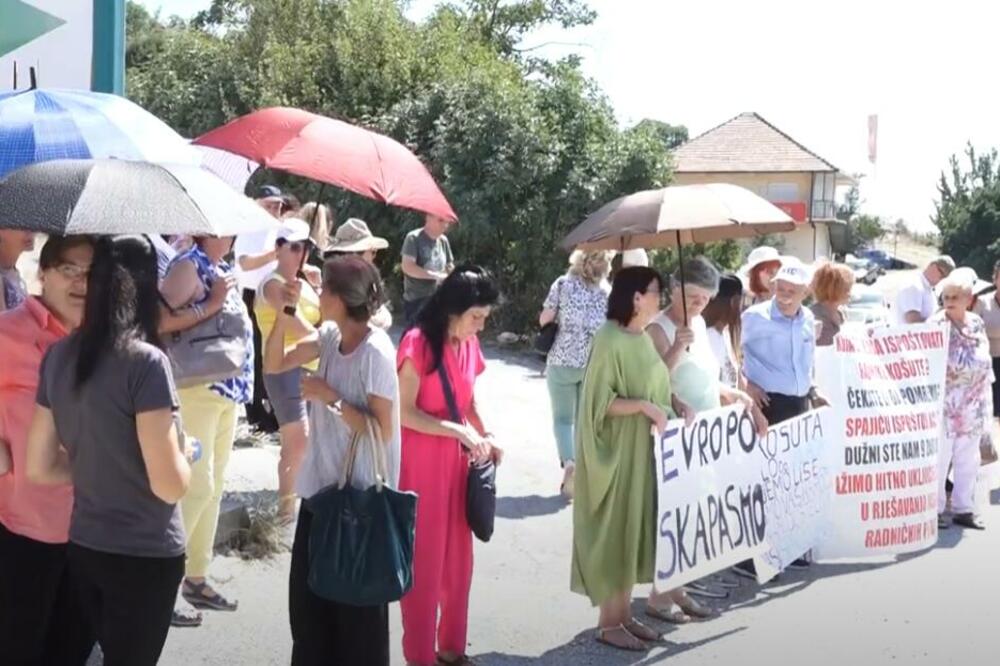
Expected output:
{"points": [[782, 192]]}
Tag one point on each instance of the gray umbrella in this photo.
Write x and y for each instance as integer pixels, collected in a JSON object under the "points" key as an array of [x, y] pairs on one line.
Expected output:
{"points": [[122, 197]]}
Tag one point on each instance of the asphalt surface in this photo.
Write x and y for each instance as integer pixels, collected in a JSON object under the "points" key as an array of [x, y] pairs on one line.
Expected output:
{"points": [[938, 607]]}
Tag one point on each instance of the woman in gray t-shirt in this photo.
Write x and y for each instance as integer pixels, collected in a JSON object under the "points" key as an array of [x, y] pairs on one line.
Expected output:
{"points": [[105, 422], [356, 381]]}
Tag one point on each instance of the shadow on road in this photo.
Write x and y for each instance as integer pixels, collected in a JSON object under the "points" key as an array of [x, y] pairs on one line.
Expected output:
{"points": [[524, 359], [585, 650], [529, 506]]}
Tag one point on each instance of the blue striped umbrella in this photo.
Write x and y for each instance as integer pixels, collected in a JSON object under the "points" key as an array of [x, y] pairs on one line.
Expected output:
{"points": [[39, 125]]}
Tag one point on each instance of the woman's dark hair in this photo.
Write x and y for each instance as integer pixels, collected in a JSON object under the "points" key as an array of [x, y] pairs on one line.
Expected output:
{"points": [[727, 307], [123, 300], [629, 282], [54, 251], [468, 286], [357, 283]]}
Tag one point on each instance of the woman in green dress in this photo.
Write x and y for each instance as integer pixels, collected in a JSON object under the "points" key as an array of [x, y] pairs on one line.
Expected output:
{"points": [[626, 390]]}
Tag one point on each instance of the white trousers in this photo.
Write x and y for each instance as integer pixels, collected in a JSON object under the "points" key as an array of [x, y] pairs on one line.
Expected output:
{"points": [[962, 455]]}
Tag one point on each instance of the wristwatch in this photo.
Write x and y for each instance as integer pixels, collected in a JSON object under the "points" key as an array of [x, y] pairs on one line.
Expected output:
{"points": [[289, 310], [336, 405]]}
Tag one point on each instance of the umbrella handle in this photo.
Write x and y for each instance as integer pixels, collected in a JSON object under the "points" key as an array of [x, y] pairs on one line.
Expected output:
{"points": [[680, 270]]}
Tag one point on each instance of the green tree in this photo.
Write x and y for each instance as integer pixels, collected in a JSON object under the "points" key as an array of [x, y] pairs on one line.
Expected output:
{"points": [[524, 148], [968, 210], [671, 136]]}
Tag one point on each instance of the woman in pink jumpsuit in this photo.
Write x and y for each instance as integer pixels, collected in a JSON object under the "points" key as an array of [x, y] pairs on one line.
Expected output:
{"points": [[435, 460]]}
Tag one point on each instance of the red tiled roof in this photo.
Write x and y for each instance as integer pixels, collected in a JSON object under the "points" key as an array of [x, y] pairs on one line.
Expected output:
{"points": [[747, 143]]}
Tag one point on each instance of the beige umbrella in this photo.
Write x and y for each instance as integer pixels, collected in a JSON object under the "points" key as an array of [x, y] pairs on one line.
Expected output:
{"points": [[679, 214]]}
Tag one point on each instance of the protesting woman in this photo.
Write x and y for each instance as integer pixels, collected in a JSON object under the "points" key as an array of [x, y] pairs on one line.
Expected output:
{"points": [[356, 380], [626, 392], [197, 286], [681, 339], [967, 400], [722, 319], [106, 420], [762, 265], [577, 303], [436, 454], [831, 286], [354, 238], [41, 621], [284, 391]]}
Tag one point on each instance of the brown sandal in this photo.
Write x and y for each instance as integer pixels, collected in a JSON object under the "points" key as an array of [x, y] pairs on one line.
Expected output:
{"points": [[620, 638], [695, 609], [674, 615], [642, 632]]}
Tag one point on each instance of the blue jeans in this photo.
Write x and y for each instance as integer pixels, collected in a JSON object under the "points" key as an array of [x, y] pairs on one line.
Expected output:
{"points": [[564, 391]]}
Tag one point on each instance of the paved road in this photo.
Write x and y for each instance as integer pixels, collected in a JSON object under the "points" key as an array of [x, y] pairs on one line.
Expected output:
{"points": [[936, 608]]}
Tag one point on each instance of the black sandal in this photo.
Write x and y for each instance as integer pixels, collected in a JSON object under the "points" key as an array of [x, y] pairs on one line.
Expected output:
{"points": [[194, 594]]}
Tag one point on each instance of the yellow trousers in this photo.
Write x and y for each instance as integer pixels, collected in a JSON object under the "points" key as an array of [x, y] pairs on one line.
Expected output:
{"points": [[211, 419]]}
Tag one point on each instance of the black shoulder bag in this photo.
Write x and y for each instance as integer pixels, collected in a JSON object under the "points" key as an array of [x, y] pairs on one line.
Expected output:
{"points": [[481, 494], [547, 335]]}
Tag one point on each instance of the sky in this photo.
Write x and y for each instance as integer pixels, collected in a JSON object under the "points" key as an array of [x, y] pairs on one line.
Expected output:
{"points": [[816, 71]]}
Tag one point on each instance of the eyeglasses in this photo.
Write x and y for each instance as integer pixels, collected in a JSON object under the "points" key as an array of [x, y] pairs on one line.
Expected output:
{"points": [[73, 272], [294, 246]]}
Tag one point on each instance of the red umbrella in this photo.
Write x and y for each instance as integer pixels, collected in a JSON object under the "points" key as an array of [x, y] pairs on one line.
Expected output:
{"points": [[335, 152]]}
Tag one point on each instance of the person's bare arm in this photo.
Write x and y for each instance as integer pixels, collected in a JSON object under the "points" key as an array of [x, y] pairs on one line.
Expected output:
{"points": [[168, 470], [297, 326], [630, 407], [47, 462], [251, 262], [546, 317], [180, 288], [411, 269], [415, 418], [277, 359], [670, 352], [476, 421]]}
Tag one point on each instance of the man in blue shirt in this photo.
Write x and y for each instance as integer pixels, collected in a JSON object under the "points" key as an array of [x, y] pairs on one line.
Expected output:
{"points": [[778, 341]]}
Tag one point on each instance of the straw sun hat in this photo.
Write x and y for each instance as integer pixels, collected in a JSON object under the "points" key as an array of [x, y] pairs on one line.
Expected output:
{"points": [[355, 236]]}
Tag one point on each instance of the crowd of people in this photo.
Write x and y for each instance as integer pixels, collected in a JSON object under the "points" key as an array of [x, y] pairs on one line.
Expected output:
{"points": [[118, 415], [699, 340]]}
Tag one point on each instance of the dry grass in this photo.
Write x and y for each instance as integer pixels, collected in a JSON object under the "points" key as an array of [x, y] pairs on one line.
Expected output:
{"points": [[264, 536]]}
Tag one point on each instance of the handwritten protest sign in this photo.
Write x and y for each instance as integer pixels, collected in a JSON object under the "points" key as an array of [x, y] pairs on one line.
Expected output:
{"points": [[887, 393], [797, 465], [710, 496]]}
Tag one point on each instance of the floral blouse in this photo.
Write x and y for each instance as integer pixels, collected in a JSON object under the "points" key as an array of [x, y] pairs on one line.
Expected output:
{"points": [[968, 401], [581, 309]]}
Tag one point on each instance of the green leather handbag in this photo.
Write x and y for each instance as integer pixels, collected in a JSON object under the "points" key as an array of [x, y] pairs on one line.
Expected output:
{"points": [[361, 541]]}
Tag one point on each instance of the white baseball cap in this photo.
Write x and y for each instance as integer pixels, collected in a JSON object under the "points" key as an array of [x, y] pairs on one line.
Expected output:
{"points": [[794, 271], [293, 230]]}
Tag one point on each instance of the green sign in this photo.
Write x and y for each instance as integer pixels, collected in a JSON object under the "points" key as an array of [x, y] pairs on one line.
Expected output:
{"points": [[23, 23]]}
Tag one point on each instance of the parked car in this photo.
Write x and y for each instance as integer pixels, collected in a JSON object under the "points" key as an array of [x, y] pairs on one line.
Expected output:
{"points": [[878, 257], [867, 306], [865, 271]]}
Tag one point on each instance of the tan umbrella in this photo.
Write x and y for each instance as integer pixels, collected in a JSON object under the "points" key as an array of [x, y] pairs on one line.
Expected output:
{"points": [[679, 214]]}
